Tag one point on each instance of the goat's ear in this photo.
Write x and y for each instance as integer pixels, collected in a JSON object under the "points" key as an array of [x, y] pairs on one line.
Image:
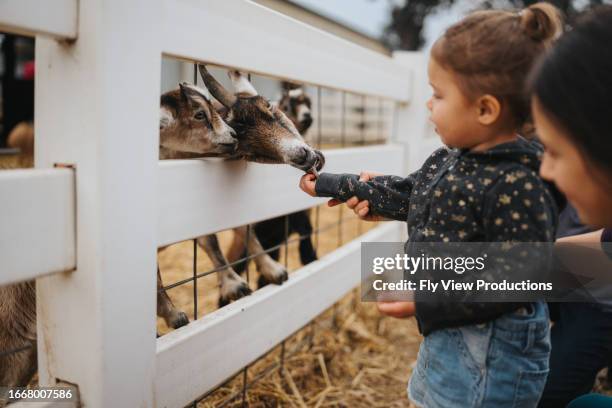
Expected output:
{"points": [[193, 94], [184, 91], [166, 117], [295, 92], [241, 83]]}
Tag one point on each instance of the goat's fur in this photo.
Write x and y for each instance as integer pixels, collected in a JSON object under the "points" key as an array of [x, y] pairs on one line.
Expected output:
{"points": [[296, 104]]}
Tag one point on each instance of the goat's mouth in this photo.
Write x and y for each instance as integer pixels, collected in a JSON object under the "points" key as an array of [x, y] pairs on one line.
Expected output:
{"points": [[226, 148], [308, 159]]}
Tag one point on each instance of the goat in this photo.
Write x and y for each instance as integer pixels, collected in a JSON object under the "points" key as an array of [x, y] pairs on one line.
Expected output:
{"points": [[265, 135], [296, 104], [190, 126]]}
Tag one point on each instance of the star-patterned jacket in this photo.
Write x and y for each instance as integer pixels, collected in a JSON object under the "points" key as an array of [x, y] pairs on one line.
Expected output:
{"points": [[461, 196]]}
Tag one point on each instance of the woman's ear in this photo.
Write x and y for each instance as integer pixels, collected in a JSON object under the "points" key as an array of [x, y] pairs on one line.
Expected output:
{"points": [[489, 109]]}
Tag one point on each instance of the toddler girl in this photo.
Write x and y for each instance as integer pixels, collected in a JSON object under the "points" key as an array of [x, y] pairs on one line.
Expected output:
{"points": [[483, 187]]}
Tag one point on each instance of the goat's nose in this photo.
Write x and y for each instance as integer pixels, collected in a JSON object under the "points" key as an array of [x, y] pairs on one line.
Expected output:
{"points": [[302, 155], [307, 119]]}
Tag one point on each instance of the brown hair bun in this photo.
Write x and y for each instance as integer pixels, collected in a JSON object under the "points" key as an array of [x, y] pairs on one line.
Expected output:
{"points": [[541, 22]]}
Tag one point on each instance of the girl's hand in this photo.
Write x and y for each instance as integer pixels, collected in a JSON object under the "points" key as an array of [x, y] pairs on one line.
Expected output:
{"points": [[400, 310], [368, 175], [362, 209], [307, 184]]}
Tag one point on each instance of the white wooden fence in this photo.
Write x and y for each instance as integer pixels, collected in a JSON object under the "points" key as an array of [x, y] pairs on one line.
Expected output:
{"points": [[89, 232]]}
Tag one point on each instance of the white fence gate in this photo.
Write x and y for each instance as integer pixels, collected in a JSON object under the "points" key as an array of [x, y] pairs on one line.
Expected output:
{"points": [[88, 231]]}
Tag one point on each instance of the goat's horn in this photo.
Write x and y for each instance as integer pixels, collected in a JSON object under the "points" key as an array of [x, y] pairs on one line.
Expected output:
{"points": [[216, 89]]}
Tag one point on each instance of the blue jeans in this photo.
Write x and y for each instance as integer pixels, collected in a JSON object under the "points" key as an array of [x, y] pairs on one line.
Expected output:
{"points": [[502, 363]]}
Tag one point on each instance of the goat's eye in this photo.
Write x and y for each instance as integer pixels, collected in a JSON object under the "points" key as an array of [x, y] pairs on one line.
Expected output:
{"points": [[199, 115]]}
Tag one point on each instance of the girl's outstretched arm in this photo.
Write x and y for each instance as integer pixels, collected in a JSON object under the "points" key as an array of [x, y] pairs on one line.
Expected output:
{"points": [[388, 196]]}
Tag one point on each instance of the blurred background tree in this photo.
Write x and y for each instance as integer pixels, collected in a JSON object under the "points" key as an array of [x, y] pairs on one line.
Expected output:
{"points": [[405, 29]]}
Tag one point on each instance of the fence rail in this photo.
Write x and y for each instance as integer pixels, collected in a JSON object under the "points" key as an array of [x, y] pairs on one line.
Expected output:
{"points": [[201, 197], [38, 223], [248, 36], [196, 197], [30, 17]]}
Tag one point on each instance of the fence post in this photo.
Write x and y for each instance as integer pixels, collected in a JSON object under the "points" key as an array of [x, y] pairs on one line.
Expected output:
{"points": [[412, 127], [97, 108]]}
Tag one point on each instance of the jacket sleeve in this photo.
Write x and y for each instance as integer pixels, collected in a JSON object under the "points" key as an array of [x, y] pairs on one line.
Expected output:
{"points": [[389, 196], [517, 208]]}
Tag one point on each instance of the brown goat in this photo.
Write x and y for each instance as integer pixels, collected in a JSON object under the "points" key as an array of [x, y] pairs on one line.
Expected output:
{"points": [[266, 135]]}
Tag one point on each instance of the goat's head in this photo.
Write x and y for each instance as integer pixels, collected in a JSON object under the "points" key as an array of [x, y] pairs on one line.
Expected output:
{"points": [[189, 123], [264, 132], [297, 106]]}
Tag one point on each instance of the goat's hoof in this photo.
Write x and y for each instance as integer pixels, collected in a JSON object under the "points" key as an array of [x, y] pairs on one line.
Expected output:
{"points": [[278, 277], [261, 282], [180, 320], [238, 291]]}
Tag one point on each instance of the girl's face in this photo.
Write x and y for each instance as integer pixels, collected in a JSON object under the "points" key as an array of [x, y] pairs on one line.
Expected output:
{"points": [[564, 165], [450, 111]]}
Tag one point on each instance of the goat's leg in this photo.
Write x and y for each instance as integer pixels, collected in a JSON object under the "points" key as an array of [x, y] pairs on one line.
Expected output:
{"points": [[308, 253], [271, 233], [300, 222], [165, 308], [231, 285], [269, 270], [237, 251]]}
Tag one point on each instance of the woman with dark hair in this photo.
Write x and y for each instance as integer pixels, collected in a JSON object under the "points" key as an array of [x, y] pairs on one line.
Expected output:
{"points": [[572, 109]]}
